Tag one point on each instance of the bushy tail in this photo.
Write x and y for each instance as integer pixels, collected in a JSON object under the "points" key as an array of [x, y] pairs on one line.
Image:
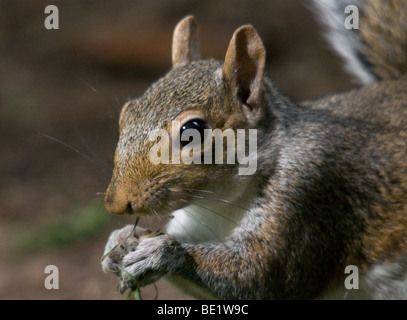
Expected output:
{"points": [[371, 36]]}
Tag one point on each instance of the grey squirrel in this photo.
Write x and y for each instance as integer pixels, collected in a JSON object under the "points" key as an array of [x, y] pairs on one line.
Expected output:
{"points": [[330, 186]]}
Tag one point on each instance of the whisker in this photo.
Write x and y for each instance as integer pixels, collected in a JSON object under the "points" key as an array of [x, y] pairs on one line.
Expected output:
{"points": [[76, 151], [217, 213], [199, 190], [209, 198], [89, 85], [183, 227], [207, 191], [117, 100], [202, 223], [112, 106], [155, 211], [91, 152]]}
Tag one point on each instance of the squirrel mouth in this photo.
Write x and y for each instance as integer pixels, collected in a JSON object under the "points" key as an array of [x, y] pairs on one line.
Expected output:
{"points": [[155, 210]]}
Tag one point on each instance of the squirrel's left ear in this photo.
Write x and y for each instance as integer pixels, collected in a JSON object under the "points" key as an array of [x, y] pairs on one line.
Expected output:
{"points": [[185, 42], [244, 70]]}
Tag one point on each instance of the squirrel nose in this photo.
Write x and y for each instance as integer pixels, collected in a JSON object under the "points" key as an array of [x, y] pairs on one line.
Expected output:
{"points": [[117, 202]]}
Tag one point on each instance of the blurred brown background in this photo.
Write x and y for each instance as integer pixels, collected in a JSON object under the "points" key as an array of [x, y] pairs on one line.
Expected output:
{"points": [[69, 85]]}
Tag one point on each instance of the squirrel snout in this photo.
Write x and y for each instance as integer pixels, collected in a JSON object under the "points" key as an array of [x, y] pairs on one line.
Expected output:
{"points": [[134, 200], [117, 202]]}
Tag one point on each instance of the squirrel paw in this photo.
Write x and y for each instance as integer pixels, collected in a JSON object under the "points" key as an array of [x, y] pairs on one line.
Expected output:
{"points": [[121, 242], [152, 259], [139, 257]]}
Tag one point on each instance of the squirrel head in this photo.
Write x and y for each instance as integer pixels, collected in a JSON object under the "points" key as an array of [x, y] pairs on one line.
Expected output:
{"points": [[194, 94]]}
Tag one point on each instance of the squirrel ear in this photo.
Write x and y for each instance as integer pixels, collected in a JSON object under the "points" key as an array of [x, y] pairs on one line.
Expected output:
{"points": [[244, 69], [185, 42]]}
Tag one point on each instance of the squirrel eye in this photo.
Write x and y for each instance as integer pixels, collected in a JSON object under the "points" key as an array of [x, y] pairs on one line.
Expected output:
{"points": [[197, 124]]}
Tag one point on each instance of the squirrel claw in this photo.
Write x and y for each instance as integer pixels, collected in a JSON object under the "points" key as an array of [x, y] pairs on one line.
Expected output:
{"points": [[123, 287]]}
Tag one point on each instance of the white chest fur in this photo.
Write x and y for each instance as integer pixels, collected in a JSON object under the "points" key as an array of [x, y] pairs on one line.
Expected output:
{"points": [[211, 217], [196, 223]]}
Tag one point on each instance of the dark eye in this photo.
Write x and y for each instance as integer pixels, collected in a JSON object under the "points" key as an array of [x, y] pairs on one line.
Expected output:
{"points": [[198, 125]]}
